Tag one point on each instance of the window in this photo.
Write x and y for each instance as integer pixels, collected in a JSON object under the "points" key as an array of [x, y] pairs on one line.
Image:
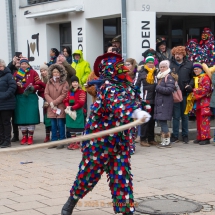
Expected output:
{"points": [[32, 2]]}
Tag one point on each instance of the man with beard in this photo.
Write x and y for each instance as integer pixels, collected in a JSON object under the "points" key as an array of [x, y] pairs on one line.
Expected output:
{"points": [[180, 65]]}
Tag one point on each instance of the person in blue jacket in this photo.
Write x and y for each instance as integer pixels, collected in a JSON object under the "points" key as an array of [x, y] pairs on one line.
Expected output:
{"points": [[7, 104]]}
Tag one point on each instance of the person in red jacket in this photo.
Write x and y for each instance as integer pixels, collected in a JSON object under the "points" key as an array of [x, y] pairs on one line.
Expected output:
{"points": [[74, 103], [202, 96], [27, 109]]}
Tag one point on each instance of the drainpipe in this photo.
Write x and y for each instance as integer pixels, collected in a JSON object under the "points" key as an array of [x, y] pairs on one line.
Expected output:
{"points": [[124, 30], [10, 7]]}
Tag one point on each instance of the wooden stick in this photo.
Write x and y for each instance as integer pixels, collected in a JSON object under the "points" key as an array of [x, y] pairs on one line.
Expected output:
{"points": [[76, 139]]}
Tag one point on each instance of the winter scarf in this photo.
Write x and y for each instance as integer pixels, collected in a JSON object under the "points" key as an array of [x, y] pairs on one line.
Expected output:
{"points": [[150, 75], [161, 75], [21, 74]]}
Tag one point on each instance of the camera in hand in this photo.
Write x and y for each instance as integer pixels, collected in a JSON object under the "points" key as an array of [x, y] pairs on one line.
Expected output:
{"points": [[115, 49]]}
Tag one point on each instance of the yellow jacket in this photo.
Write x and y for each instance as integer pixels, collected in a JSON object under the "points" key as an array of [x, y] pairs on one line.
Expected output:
{"points": [[82, 68]]}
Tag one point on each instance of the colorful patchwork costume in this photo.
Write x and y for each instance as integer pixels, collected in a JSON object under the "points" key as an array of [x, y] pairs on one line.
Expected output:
{"points": [[117, 103]]}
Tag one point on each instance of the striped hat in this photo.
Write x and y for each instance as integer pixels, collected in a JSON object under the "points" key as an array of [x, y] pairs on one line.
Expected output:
{"points": [[24, 59], [149, 59], [198, 65]]}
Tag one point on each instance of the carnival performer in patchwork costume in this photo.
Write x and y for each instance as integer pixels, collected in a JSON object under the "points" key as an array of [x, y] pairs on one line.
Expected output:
{"points": [[117, 103], [199, 99]]}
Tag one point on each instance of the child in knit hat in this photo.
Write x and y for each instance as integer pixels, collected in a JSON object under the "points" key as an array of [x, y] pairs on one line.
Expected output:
{"points": [[74, 103]]}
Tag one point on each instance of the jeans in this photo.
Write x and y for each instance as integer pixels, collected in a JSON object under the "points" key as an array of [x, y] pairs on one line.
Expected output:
{"points": [[164, 126], [58, 125], [178, 113]]}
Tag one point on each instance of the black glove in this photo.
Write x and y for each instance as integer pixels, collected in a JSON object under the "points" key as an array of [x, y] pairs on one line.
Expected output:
{"points": [[189, 89]]}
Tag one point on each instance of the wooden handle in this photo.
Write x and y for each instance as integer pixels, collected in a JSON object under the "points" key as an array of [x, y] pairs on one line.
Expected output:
{"points": [[76, 139]]}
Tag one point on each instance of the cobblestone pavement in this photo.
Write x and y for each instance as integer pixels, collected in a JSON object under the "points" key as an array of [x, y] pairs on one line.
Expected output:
{"points": [[42, 187]]}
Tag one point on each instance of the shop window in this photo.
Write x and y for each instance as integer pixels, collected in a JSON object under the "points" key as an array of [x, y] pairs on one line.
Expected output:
{"points": [[32, 2], [111, 28], [65, 35]]}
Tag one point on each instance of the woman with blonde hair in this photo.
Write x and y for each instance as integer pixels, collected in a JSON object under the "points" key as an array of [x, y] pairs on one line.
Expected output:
{"points": [[131, 64]]}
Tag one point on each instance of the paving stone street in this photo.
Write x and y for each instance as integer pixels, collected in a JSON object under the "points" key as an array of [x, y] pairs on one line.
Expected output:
{"points": [[185, 171]]}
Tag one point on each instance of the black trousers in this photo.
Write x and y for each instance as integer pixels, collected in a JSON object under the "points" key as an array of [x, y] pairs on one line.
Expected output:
{"points": [[15, 126], [147, 129], [5, 125]]}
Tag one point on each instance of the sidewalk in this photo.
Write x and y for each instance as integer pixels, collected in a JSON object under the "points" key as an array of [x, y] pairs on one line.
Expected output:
{"points": [[42, 187]]}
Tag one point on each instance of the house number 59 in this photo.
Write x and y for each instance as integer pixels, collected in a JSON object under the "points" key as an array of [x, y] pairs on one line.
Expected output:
{"points": [[145, 7]]}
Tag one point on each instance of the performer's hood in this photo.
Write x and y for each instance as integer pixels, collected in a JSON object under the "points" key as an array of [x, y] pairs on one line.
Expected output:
{"points": [[207, 36], [111, 66]]}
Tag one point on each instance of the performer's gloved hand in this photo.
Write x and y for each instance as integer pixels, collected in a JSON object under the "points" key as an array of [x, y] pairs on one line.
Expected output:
{"points": [[140, 114]]}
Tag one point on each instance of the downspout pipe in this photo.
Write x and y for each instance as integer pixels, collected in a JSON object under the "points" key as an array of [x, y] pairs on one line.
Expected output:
{"points": [[12, 41], [124, 30]]}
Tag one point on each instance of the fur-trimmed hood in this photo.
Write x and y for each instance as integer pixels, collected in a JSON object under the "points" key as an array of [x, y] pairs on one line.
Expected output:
{"points": [[61, 69]]}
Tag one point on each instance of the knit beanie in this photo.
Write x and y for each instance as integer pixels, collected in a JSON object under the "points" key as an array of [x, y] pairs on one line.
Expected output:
{"points": [[55, 51], [24, 59], [164, 63], [43, 66], [74, 78], [197, 65], [150, 59]]}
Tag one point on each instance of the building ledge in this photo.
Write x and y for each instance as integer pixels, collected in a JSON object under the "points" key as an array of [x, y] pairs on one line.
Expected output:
{"points": [[77, 8]]}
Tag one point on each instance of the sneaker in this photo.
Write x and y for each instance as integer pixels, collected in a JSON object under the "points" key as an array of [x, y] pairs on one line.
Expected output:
{"points": [[30, 140], [174, 139], [24, 140], [204, 142], [144, 143], [6, 145], [185, 139], [196, 141], [73, 146]]}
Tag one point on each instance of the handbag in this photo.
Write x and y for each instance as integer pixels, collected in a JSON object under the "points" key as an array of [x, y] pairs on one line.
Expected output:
{"points": [[177, 94], [206, 111]]}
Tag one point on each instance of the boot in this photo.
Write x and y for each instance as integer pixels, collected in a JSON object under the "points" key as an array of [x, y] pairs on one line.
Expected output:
{"points": [[69, 206], [144, 143], [30, 137], [15, 137], [165, 141], [5, 144], [47, 139], [30, 140], [24, 140]]}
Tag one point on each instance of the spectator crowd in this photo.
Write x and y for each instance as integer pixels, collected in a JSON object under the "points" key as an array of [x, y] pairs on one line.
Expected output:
{"points": [[65, 80]]}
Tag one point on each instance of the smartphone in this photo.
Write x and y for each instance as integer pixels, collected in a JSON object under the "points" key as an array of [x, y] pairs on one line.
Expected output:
{"points": [[114, 49], [17, 54]]}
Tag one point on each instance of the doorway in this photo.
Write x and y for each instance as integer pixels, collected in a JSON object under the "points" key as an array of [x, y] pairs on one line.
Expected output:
{"points": [[179, 29]]}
